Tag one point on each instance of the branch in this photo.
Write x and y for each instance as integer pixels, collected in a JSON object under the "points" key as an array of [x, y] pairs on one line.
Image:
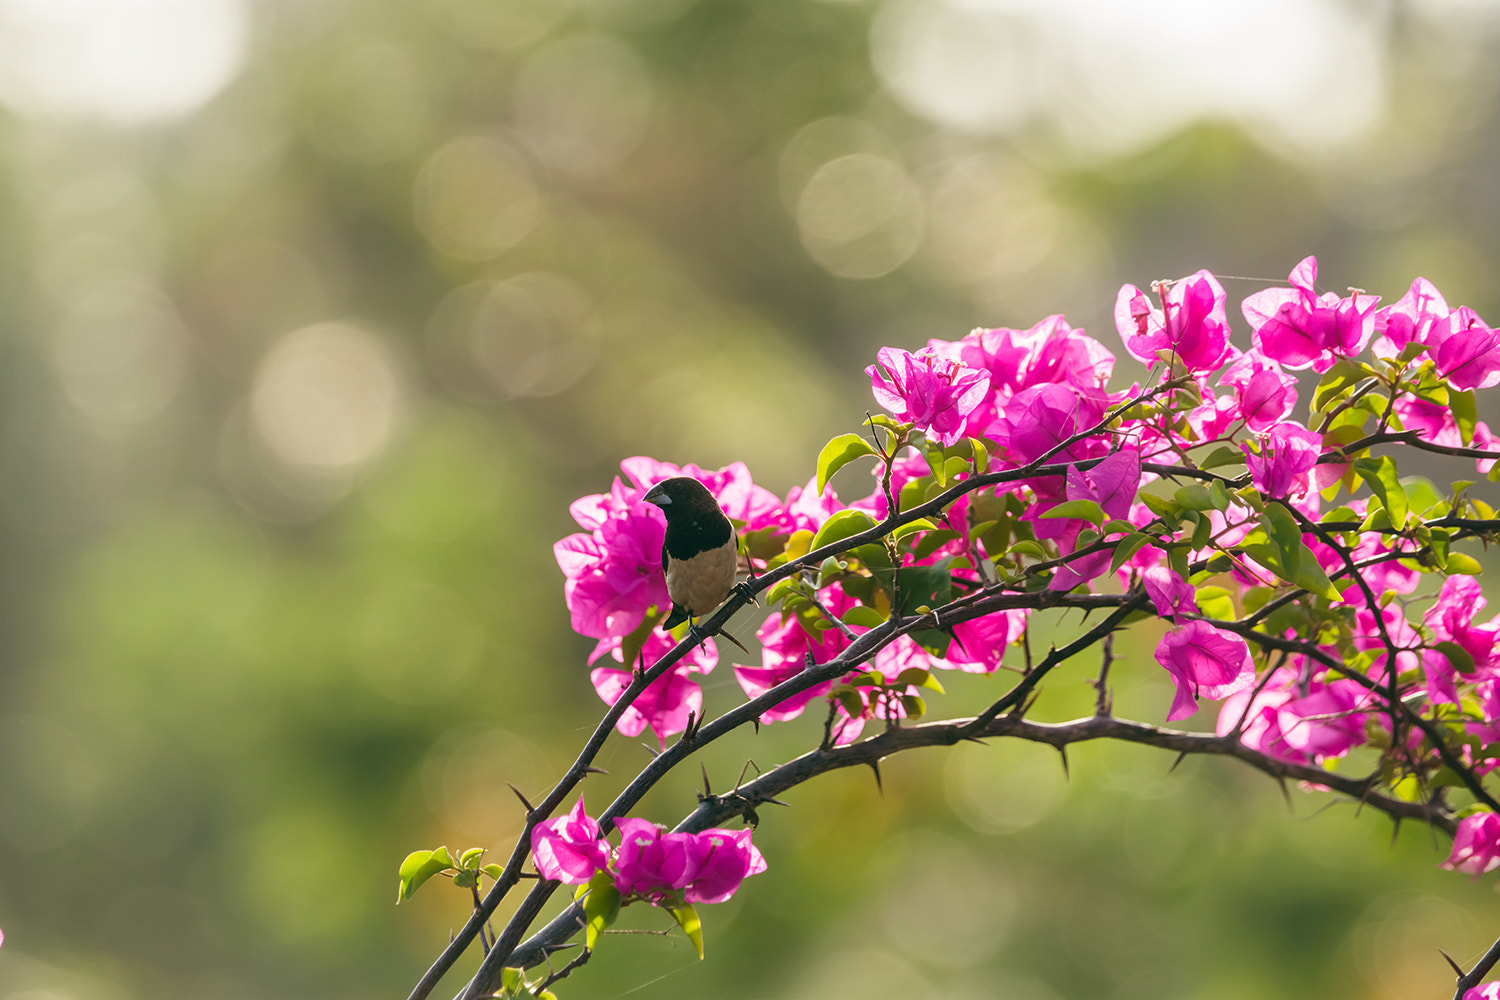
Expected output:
{"points": [[713, 811]]}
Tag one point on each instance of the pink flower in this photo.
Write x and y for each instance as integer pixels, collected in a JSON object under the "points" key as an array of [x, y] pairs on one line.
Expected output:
{"points": [[979, 644], [936, 394], [1324, 724], [667, 702], [569, 848], [1038, 419], [1171, 594], [1288, 453], [1051, 351], [785, 643], [1476, 845], [1112, 484], [1194, 327], [728, 858], [1489, 991], [651, 863], [1301, 329], [1410, 319], [1470, 356], [1205, 662], [1266, 394]]}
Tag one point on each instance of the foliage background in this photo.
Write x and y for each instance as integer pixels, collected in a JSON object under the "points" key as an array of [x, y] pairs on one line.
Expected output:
{"points": [[316, 314]]}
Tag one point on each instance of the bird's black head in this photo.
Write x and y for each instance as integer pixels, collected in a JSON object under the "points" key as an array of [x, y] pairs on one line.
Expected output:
{"points": [[682, 497]]}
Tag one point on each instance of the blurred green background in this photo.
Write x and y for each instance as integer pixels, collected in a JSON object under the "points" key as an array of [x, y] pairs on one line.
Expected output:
{"points": [[316, 314]]}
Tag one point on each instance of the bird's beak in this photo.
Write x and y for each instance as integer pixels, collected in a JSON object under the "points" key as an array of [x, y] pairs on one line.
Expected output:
{"points": [[656, 496]]}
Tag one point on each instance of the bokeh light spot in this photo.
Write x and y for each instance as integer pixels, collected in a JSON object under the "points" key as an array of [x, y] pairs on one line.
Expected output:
{"points": [[860, 216], [124, 61], [327, 398], [476, 198], [583, 104], [121, 353]]}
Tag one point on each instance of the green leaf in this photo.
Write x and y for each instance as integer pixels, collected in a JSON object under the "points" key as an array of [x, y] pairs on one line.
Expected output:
{"points": [[1462, 661], [1342, 375], [1298, 564], [494, 871], [844, 524], [1222, 455], [1160, 506], [1219, 493], [912, 527], [838, 453], [1339, 515], [914, 706], [918, 677], [687, 919], [1194, 497], [1127, 547], [864, 616], [1465, 412], [469, 860], [1380, 474], [981, 455], [511, 980], [1086, 510], [1412, 350], [1027, 548], [1203, 532], [1215, 602], [1463, 564], [601, 905], [1421, 493], [420, 866]]}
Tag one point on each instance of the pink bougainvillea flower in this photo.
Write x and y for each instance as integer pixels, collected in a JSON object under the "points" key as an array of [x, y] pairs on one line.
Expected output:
{"points": [[1051, 351], [1489, 991], [1410, 319], [1280, 723], [1301, 329], [1205, 662], [728, 858], [1171, 594], [1112, 484], [1194, 327], [1039, 418], [1476, 845], [1288, 454], [936, 394], [667, 702], [569, 848], [1265, 393], [651, 863], [1470, 356], [979, 644]]}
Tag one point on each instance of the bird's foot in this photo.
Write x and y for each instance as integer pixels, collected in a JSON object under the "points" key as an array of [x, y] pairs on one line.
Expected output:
{"points": [[746, 589]]}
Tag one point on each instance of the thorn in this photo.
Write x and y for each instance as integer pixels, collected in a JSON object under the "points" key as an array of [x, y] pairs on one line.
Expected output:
{"points": [[875, 766], [1286, 793], [708, 792], [756, 723], [1396, 832], [651, 750], [594, 770], [529, 807], [726, 634], [1063, 752], [1180, 758], [1457, 969], [768, 800]]}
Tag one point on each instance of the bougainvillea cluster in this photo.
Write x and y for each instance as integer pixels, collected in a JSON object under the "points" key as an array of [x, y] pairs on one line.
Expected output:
{"points": [[1257, 512]]}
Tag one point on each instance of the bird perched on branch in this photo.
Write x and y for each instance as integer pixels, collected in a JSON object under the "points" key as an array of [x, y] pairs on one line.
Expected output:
{"points": [[700, 552]]}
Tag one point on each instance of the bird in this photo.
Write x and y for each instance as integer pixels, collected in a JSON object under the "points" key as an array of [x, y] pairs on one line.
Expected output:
{"points": [[700, 552]]}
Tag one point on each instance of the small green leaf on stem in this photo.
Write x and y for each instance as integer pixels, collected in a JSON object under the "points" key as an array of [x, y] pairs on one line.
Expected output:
{"points": [[687, 919], [838, 453]]}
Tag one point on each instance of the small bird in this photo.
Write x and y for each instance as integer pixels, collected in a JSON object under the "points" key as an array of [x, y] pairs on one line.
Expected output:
{"points": [[699, 553]]}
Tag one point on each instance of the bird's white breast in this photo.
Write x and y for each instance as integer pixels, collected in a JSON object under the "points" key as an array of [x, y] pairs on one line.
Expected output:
{"points": [[701, 583]]}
